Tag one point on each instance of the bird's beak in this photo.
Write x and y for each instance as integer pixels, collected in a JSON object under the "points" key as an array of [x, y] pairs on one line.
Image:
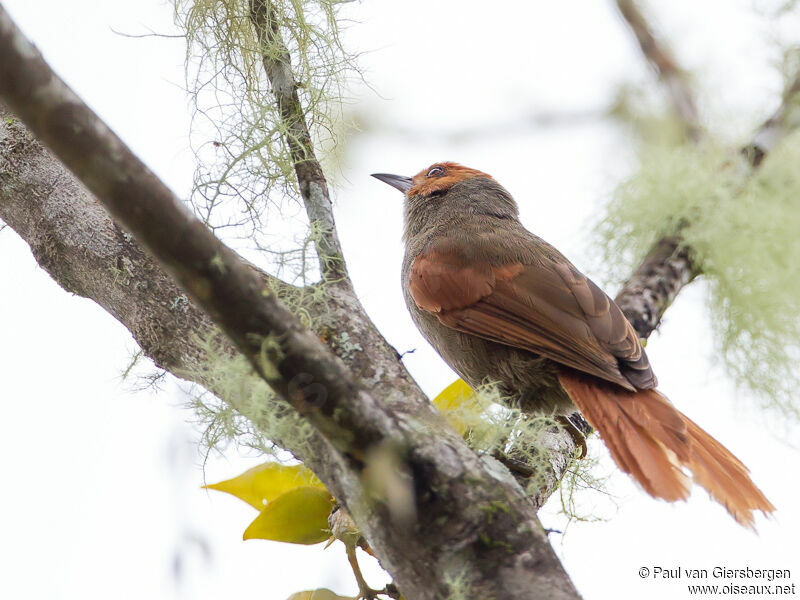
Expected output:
{"points": [[396, 181]]}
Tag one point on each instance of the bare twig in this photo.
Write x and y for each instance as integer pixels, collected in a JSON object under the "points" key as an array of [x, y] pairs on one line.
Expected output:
{"points": [[149, 35], [673, 78]]}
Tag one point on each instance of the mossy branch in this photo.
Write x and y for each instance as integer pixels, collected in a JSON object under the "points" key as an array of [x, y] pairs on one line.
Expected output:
{"points": [[741, 228], [669, 264], [228, 289], [263, 116], [452, 485], [276, 60]]}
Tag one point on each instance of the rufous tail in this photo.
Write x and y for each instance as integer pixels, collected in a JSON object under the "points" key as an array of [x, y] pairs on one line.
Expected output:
{"points": [[654, 442]]}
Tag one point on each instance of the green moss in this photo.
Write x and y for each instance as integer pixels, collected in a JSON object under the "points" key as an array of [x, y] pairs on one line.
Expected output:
{"points": [[496, 506], [743, 231], [218, 264], [493, 508], [492, 544], [121, 274], [532, 442], [251, 415], [579, 480], [307, 303], [458, 585]]}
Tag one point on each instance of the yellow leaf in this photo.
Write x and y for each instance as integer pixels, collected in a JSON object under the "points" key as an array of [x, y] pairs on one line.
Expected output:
{"points": [[299, 516], [452, 398], [264, 483], [320, 594]]}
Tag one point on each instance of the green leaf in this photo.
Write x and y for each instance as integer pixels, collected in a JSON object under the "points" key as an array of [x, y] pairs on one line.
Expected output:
{"points": [[299, 516], [264, 483], [320, 594]]}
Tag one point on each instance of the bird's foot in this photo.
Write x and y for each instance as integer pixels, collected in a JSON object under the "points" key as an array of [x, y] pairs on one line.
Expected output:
{"points": [[367, 593], [576, 434], [364, 591]]}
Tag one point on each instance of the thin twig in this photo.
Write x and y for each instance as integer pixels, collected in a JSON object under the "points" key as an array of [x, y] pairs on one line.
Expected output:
{"points": [[782, 122], [147, 35], [672, 77], [310, 176]]}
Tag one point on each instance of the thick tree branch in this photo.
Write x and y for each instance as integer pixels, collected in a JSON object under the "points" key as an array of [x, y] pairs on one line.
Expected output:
{"points": [[655, 284], [226, 288], [473, 520], [310, 177]]}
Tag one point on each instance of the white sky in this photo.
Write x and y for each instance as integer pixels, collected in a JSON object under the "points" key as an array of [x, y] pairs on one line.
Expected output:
{"points": [[101, 485]]}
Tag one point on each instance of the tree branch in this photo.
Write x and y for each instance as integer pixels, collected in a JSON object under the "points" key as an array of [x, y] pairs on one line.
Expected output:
{"points": [[310, 177], [474, 522], [782, 122], [668, 266], [655, 284], [672, 77], [318, 206]]}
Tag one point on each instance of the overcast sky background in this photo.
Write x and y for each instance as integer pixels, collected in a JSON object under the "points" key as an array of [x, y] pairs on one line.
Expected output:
{"points": [[101, 485]]}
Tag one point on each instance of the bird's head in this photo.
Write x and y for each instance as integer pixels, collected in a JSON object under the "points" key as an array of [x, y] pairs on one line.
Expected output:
{"points": [[447, 192], [434, 180]]}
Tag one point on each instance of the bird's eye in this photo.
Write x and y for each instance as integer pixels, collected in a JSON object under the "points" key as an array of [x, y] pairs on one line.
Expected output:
{"points": [[435, 172]]}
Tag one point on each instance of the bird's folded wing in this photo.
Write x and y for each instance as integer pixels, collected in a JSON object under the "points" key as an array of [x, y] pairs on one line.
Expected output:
{"points": [[545, 306]]}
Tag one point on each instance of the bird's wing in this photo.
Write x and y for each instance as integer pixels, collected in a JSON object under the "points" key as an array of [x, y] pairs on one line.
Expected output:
{"points": [[545, 306]]}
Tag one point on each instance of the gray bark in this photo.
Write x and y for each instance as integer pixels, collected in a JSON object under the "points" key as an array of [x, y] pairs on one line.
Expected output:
{"points": [[472, 516], [310, 177], [473, 520]]}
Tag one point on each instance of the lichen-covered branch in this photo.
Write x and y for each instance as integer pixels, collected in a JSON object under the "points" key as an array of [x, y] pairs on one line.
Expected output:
{"points": [[228, 289], [310, 177], [671, 76], [669, 265], [473, 525]]}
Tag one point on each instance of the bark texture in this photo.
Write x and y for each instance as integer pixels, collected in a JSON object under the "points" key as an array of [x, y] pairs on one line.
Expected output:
{"points": [[472, 517], [473, 523]]}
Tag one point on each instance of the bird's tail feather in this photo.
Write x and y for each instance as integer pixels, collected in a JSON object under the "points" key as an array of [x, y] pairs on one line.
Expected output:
{"points": [[654, 442]]}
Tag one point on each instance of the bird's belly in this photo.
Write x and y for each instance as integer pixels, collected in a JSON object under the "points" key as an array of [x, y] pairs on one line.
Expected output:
{"points": [[525, 379]]}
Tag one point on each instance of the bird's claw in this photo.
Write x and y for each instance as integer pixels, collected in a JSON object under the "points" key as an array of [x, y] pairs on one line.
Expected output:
{"points": [[367, 593]]}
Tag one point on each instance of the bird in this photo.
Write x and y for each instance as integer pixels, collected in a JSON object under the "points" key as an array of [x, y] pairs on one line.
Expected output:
{"points": [[500, 304]]}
